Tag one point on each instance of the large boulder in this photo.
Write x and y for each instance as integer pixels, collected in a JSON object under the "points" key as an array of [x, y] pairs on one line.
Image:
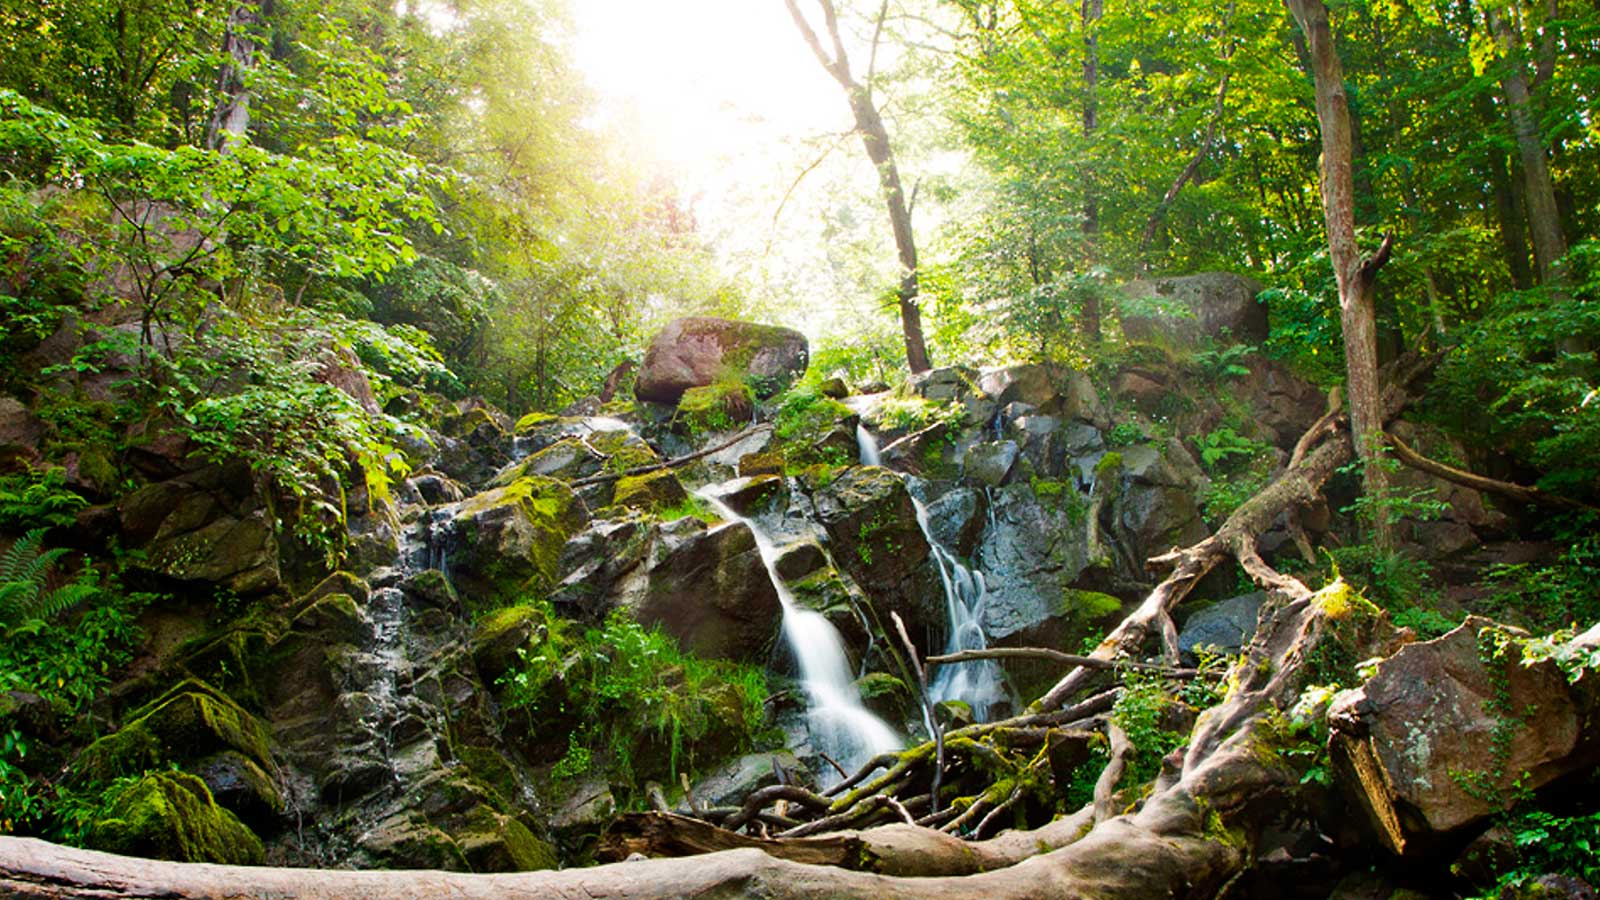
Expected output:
{"points": [[171, 815], [1449, 732], [509, 539], [696, 351], [711, 591], [1191, 310]]}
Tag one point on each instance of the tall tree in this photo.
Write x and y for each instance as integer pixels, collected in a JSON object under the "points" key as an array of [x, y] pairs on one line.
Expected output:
{"points": [[1356, 274], [875, 137], [1539, 195]]}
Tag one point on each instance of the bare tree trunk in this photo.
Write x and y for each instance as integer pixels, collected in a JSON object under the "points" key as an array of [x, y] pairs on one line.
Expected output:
{"points": [[1356, 275], [875, 138], [1538, 194], [1091, 13], [231, 119]]}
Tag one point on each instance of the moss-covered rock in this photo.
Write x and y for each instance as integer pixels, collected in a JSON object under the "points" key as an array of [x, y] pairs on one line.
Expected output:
{"points": [[190, 721], [495, 842], [500, 635], [651, 491], [172, 815], [508, 540], [723, 405]]}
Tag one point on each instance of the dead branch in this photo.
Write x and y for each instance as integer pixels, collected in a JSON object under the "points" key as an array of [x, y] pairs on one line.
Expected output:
{"points": [[1529, 495], [1071, 659], [674, 463]]}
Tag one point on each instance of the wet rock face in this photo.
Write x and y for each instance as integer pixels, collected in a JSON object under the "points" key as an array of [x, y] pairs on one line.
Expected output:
{"points": [[1447, 733], [1188, 311], [710, 590], [872, 528], [694, 352]]}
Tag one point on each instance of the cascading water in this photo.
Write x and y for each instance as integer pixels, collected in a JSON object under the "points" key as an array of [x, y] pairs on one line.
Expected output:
{"points": [[977, 683], [839, 725]]}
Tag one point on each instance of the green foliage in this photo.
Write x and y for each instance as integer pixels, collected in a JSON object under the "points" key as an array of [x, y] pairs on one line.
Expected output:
{"points": [[1521, 383], [1550, 843], [27, 602], [911, 412], [62, 643], [633, 699], [1221, 363], [1125, 434], [1139, 712], [37, 498]]}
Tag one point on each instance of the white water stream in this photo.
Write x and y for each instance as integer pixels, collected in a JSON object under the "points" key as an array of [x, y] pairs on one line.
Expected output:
{"points": [[977, 683], [840, 725]]}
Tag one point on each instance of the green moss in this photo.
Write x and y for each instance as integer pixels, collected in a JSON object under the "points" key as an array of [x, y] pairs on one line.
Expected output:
{"points": [[189, 721], [533, 420], [650, 491], [723, 405], [1087, 606], [1110, 464], [1340, 601], [171, 815]]}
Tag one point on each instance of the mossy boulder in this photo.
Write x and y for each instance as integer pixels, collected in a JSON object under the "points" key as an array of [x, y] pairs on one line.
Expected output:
{"points": [[723, 405], [172, 815], [508, 540], [500, 635], [495, 842], [651, 491], [694, 352], [190, 721]]}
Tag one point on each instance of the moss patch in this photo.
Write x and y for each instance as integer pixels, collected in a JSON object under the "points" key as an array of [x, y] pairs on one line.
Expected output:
{"points": [[650, 491], [723, 405], [171, 815], [189, 721]]}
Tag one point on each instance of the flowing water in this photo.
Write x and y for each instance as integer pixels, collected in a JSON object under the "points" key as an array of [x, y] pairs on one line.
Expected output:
{"points": [[977, 683], [840, 725]]}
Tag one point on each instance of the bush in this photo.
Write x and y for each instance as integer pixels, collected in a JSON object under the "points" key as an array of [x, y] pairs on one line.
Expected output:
{"points": [[629, 693]]}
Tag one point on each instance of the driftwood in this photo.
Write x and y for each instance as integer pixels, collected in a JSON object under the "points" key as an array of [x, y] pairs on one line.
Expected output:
{"points": [[1070, 659]]}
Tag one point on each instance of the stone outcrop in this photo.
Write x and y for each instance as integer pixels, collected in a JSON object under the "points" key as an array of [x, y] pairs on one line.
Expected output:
{"points": [[697, 351], [1448, 732], [1188, 311]]}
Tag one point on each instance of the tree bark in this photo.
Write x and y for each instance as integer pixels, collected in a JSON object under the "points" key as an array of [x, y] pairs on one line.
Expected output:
{"points": [[1091, 12], [875, 138], [230, 121], [1538, 188], [1356, 275]]}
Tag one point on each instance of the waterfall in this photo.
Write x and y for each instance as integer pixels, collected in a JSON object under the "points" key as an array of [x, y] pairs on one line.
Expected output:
{"points": [[839, 725], [978, 683]]}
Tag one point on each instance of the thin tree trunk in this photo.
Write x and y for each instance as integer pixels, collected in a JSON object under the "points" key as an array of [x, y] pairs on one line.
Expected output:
{"points": [[875, 138], [1356, 275], [1091, 12]]}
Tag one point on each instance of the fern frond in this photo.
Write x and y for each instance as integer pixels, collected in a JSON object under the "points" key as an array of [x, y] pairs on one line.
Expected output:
{"points": [[20, 554]]}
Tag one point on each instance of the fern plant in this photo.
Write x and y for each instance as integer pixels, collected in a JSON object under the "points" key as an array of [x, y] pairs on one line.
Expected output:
{"points": [[26, 601]]}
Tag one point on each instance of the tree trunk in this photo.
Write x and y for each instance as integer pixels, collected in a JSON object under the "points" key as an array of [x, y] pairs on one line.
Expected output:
{"points": [[1538, 189], [230, 121], [1091, 11], [1356, 275], [875, 138]]}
